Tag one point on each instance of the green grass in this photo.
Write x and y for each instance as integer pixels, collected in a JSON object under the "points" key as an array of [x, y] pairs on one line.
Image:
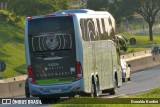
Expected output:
{"points": [[142, 42], [96, 102], [12, 49], [154, 93]]}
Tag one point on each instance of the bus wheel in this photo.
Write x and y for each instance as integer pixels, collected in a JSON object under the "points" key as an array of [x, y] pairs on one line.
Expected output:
{"points": [[129, 79], [27, 93], [49, 100], [113, 90], [124, 79], [46, 100], [94, 90]]}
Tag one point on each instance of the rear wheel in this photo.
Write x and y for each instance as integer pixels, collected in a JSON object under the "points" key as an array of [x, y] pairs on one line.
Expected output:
{"points": [[113, 90], [27, 93], [129, 79], [49, 100], [92, 90], [95, 89], [124, 79]]}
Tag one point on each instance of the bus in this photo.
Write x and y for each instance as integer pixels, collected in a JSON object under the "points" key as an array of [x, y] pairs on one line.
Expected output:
{"points": [[72, 52]]}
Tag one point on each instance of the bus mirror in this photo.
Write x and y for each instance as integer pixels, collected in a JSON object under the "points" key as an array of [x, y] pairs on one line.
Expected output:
{"points": [[2, 66]]}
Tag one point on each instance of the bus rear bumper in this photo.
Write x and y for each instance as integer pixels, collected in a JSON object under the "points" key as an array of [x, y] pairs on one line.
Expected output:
{"points": [[59, 90]]}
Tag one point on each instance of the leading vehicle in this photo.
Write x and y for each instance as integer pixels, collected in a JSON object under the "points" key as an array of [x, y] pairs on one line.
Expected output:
{"points": [[72, 52]]}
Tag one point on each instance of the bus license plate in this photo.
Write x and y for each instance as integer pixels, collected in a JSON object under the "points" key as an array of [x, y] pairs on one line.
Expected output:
{"points": [[55, 90]]}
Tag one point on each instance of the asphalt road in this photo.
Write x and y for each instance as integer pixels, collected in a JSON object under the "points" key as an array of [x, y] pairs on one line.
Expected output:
{"points": [[140, 82]]}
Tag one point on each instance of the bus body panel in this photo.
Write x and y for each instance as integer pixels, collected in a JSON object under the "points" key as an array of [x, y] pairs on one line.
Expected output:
{"points": [[100, 61]]}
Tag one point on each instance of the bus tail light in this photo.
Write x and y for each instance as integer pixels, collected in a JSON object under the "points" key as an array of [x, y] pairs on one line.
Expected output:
{"points": [[50, 15], [29, 18], [70, 15], [30, 74], [78, 74]]}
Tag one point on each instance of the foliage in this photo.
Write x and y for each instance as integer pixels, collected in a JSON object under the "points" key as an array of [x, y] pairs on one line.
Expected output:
{"points": [[149, 9], [8, 17], [12, 49], [120, 9], [124, 9], [142, 42], [36, 7], [98, 4]]}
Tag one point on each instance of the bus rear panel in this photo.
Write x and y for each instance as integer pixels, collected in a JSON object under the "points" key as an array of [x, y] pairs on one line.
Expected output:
{"points": [[52, 49]]}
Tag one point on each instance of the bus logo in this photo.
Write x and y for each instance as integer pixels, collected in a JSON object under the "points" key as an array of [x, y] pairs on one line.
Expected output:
{"points": [[52, 42]]}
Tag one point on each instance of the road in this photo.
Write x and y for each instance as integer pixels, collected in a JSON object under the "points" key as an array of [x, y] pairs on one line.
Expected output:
{"points": [[140, 82]]}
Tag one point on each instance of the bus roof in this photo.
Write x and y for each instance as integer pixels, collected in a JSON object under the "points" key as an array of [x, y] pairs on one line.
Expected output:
{"points": [[74, 11]]}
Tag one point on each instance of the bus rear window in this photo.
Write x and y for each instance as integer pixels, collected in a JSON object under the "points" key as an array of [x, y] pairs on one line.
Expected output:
{"points": [[50, 34]]}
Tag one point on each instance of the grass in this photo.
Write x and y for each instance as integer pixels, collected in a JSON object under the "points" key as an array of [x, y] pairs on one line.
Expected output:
{"points": [[142, 42], [12, 49], [154, 93], [113, 102]]}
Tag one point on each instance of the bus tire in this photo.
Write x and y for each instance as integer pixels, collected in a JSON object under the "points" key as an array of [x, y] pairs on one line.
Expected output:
{"points": [[94, 90], [129, 79], [97, 87], [46, 100], [124, 79], [113, 90], [49, 100], [27, 94]]}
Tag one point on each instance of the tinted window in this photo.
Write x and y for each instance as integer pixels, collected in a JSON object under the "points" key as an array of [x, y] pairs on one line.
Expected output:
{"points": [[53, 33], [92, 33]]}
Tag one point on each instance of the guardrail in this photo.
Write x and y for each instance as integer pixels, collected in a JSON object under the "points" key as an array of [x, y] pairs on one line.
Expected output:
{"points": [[15, 86], [141, 60], [136, 55]]}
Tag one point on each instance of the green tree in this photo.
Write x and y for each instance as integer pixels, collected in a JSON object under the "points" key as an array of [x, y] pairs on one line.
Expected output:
{"points": [[36, 7], [120, 9], [98, 4], [124, 9], [149, 9], [61, 4]]}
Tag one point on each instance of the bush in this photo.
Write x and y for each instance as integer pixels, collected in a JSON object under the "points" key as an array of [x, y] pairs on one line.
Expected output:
{"points": [[8, 17]]}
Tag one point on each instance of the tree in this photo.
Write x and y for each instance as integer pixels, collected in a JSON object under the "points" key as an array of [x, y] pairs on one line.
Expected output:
{"points": [[98, 4], [36, 7], [124, 9], [61, 4], [148, 9], [120, 9]]}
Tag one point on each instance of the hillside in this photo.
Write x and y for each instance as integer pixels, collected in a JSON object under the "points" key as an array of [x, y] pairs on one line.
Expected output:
{"points": [[12, 49]]}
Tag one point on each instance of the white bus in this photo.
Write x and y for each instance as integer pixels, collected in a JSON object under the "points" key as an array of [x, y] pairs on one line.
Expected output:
{"points": [[72, 52]]}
